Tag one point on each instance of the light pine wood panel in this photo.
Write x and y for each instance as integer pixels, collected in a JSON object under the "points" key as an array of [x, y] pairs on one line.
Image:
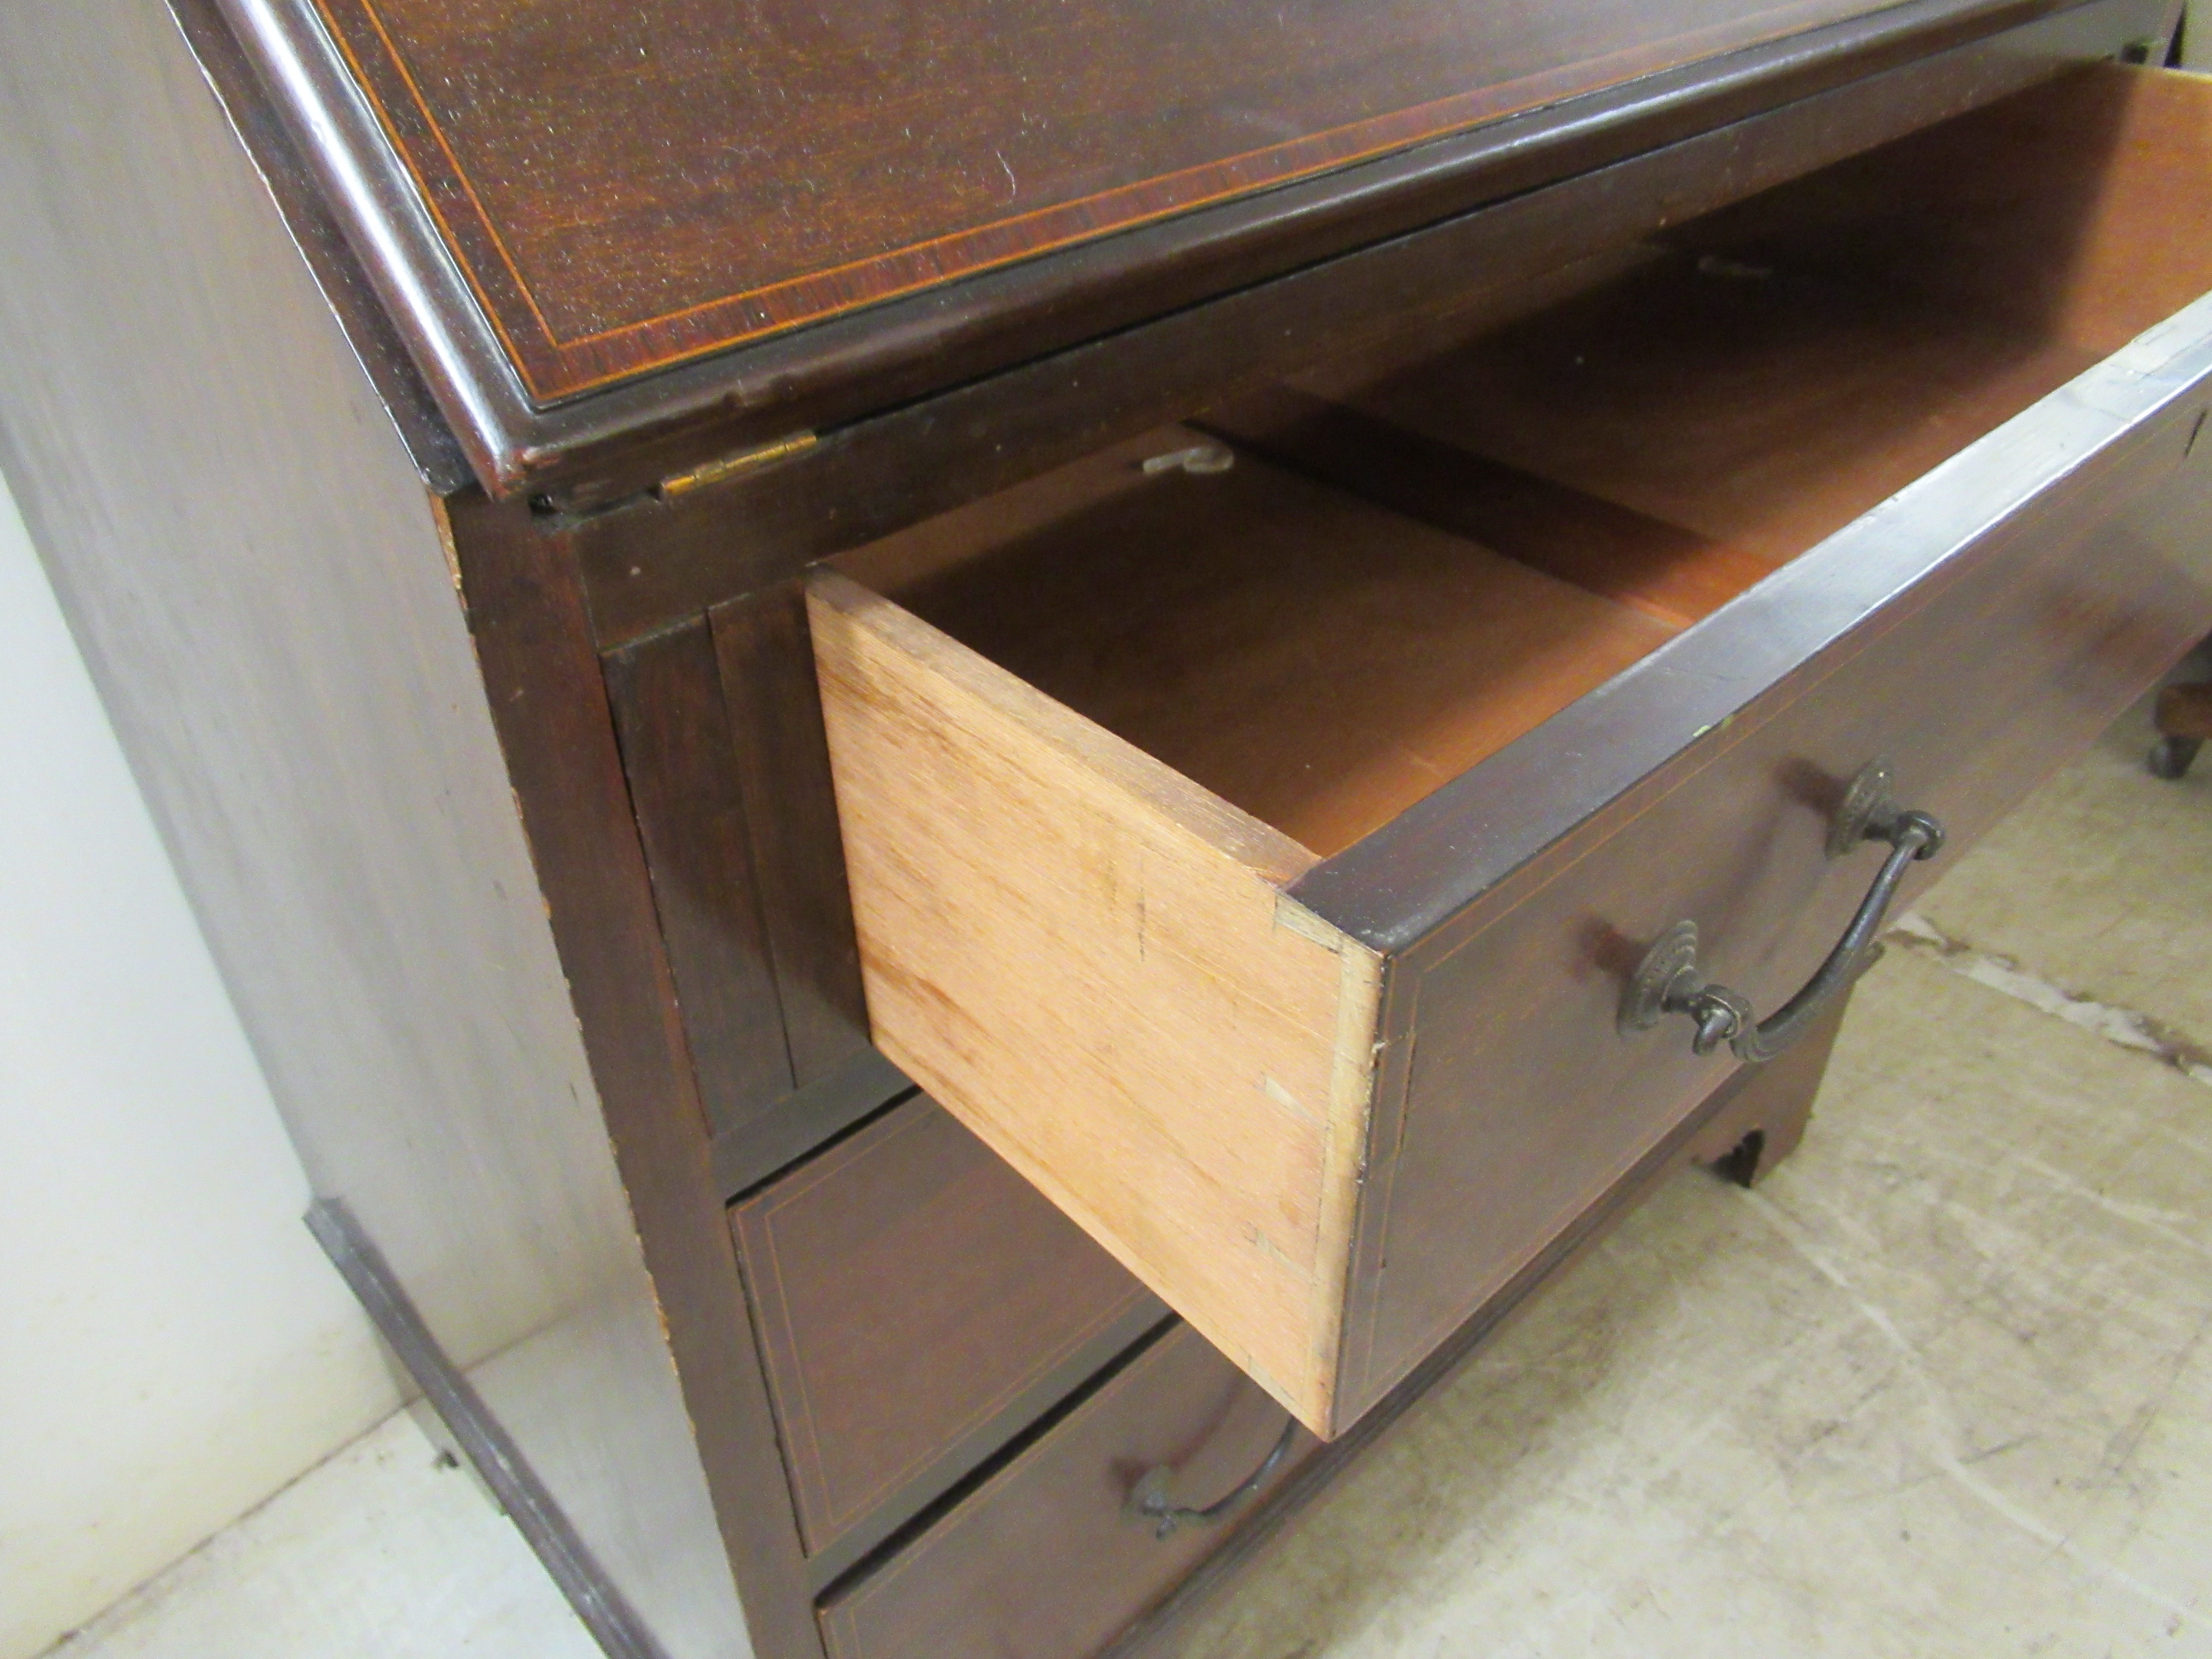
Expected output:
{"points": [[1088, 961]]}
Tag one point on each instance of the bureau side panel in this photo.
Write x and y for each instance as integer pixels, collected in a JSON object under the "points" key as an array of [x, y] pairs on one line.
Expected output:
{"points": [[256, 574]]}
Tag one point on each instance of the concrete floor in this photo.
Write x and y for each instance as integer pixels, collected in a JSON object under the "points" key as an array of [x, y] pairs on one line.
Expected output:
{"points": [[385, 1551], [1940, 1387]]}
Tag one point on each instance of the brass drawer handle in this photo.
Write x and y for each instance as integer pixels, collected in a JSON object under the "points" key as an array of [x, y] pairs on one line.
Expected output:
{"points": [[1667, 981], [1150, 1502]]}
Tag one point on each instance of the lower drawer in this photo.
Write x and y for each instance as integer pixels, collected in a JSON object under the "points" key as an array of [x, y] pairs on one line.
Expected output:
{"points": [[1049, 1559], [918, 1306]]}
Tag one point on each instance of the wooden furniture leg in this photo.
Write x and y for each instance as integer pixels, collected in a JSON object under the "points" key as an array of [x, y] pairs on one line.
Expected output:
{"points": [[2184, 721], [1765, 1117]]}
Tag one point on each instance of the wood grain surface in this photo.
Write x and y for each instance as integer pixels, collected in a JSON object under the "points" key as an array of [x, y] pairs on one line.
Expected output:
{"points": [[1974, 683], [1671, 574], [653, 564], [261, 585], [913, 1293], [1797, 360], [315, 225], [1976, 629], [1163, 1631], [1995, 243], [1224, 620], [1317, 661], [720, 727], [547, 691], [1941, 55], [766, 668], [682, 768], [1087, 957], [978, 1581], [566, 155], [625, 190]]}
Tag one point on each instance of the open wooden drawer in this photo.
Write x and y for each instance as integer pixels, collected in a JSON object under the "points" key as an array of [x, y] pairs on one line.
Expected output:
{"points": [[1261, 859]]}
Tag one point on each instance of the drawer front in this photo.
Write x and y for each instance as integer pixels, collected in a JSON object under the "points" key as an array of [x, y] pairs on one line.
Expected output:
{"points": [[919, 1303], [1512, 1104], [1040, 1561]]}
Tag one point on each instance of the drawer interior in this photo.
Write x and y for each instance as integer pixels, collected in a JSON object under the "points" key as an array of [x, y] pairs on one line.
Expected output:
{"points": [[1318, 660], [1420, 554]]}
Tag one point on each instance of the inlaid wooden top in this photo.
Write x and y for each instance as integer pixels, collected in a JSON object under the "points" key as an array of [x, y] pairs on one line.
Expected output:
{"points": [[628, 186]]}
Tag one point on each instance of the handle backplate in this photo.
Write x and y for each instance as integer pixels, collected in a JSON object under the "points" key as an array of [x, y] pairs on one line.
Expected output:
{"points": [[1151, 1502], [1669, 980]]}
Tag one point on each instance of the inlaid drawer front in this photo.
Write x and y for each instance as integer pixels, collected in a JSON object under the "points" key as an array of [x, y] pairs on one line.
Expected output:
{"points": [[1329, 846], [918, 1304], [1054, 1555]]}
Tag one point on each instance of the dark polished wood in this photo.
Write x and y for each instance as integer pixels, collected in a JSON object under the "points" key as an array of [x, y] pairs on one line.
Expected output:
{"points": [[748, 1153], [829, 374], [2185, 711], [314, 228], [1972, 272], [584, 270], [681, 764], [1975, 683], [1843, 387], [210, 466], [1159, 1634], [774, 715], [547, 698], [918, 1304], [621, 195], [721, 728], [1040, 1561], [2184, 720], [650, 564], [1759, 1115]]}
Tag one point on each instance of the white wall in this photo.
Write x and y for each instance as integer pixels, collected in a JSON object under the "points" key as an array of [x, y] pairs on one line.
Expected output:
{"points": [[173, 1347]]}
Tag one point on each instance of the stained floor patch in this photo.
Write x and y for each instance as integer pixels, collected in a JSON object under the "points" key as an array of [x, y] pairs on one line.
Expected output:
{"points": [[2126, 1027]]}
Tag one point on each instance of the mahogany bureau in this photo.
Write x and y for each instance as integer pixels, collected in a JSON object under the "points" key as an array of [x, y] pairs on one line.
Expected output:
{"points": [[969, 769]]}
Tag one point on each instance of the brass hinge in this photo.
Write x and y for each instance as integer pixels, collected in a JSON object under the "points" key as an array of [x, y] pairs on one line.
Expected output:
{"points": [[677, 485]]}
